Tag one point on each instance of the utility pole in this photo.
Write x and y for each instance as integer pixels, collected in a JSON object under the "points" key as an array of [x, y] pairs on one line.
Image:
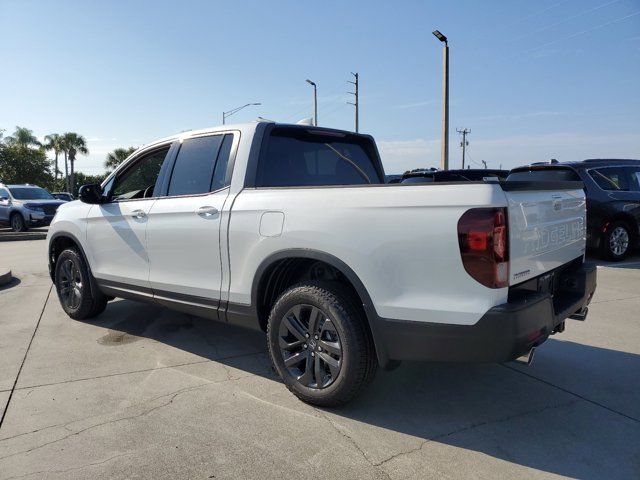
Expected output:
{"points": [[464, 142], [484, 163], [315, 101], [444, 160], [355, 94]]}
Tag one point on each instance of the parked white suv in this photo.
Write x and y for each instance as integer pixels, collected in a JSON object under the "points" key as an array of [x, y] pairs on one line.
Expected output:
{"points": [[291, 229]]}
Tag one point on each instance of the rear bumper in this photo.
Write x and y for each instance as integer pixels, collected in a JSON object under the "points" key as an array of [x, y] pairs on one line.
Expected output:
{"points": [[504, 333]]}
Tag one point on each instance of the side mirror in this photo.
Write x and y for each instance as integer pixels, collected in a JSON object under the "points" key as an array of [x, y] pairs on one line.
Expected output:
{"points": [[90, 193], [4, 200]]}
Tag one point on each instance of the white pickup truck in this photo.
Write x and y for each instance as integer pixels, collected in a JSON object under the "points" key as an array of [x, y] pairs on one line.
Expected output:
{"points": [[290, 229]]}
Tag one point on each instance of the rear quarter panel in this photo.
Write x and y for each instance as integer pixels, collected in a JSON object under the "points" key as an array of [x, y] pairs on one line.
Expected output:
{"points": [[401, 241]]}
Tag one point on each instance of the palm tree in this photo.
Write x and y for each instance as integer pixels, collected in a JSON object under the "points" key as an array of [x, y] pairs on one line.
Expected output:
{"points": [[54, 142], [118, 156], [73, 143], [23, 138]]}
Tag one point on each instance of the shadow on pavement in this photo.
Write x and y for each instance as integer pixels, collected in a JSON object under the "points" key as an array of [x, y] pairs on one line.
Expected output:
{"points": [[496, 410], [631, 262], [14, 282]]}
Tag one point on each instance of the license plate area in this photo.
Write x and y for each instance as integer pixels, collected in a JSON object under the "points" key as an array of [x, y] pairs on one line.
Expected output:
{"points": [[545, 283]]}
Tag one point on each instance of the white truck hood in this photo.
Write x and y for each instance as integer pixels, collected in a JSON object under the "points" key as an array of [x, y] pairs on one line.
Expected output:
{"points": [[547, 228]]}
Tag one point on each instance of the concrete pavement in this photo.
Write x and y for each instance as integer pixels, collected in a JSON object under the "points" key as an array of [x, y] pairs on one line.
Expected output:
{"points": [[143, 392]]}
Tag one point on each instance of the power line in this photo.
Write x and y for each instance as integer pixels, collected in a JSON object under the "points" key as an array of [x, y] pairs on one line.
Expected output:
{"points": [[583, 32]]}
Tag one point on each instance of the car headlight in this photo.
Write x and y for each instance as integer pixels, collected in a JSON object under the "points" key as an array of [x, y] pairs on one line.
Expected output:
{"points": [[34, 208]]}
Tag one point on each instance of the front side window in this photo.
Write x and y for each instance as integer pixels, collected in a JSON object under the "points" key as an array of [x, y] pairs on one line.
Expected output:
{"points": [[300, 157], [610, 178], [4, 193], [31, 193], [139, 180], [201, 165]]}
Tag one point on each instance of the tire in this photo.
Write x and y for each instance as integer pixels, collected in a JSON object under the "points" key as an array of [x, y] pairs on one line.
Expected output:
{"points": [[17, 223], [617, 242], [331, 368], [78, 298]]}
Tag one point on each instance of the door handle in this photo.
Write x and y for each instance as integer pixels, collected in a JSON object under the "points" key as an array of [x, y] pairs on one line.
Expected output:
{"points": [[139, 214], [207, 211]]}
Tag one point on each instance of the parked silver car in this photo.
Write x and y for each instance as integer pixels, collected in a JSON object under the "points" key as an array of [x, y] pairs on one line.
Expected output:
{"points": [[24, 206]]}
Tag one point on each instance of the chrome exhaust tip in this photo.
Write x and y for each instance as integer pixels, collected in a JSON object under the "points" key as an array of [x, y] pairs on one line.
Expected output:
{"points": [[580, 314], [527, 358]]}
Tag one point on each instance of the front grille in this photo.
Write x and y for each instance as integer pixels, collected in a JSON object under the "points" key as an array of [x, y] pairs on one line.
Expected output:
{"points": [[50, 209]]}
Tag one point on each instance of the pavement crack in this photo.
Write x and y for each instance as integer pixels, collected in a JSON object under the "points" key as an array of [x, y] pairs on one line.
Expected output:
{"points": [[577, 395], [93, 464], [144, 370], [353, 443], [616, 300], [24, 359], [474, 426], [172, 396]]}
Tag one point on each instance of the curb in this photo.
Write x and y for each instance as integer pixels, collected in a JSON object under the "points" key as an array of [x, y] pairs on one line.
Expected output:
{"points": [[9, 237], [5, 276]]}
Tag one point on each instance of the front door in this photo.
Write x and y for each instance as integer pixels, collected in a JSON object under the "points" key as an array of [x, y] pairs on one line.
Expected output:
{"points": [[183, 231], [116, 228]]}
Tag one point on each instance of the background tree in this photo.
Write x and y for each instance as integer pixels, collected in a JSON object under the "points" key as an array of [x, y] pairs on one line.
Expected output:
{"points": [[23, 138], [116, 157], [72, 144], [24, 165], [54, 142], [84, 179]]}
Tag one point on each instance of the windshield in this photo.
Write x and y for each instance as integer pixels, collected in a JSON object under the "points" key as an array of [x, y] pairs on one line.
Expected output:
{"points": [[31, 193]]}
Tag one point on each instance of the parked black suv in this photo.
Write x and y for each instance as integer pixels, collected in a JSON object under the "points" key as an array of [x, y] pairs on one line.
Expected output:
{"points": [[612, 187]]}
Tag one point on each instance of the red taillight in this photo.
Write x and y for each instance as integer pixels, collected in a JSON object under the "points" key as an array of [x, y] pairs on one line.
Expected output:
{"points": [[484, 245]]}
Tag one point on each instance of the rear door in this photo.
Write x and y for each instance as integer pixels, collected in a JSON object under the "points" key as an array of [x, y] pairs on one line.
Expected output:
{"points": [[547, 222], [183, 232]]}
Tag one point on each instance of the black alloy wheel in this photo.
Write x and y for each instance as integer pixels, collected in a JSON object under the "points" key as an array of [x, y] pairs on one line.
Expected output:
{"points": [[310, 346], [320, 344]]}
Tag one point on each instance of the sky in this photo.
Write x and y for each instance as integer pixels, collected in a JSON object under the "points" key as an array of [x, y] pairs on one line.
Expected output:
{"points": [[532, 80]]}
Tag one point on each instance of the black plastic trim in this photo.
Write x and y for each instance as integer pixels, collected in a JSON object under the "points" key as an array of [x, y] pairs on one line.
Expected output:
{"points": [[516, 185], [367, 304], [504, 333], [93, 285]]}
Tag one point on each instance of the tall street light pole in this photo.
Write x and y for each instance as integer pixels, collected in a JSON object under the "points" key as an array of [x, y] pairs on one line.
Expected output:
{"points": [[226, 115], [444, 159], [315, 101]]}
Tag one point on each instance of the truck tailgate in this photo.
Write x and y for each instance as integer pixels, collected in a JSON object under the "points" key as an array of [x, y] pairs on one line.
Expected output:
{"points": [[546, 226]]}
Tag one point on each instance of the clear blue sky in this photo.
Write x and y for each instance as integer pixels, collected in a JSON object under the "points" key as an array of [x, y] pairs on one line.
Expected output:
{"points": [[531, 79]]}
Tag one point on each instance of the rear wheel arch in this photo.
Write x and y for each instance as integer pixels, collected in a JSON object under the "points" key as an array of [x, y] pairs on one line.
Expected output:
{"points": [[286, 268], [626, 218]]}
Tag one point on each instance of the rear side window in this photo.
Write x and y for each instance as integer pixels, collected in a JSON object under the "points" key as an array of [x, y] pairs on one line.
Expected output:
{"points": [[548, 175], [299, 157], [634, 178], [201, 165], [611, 178]]}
